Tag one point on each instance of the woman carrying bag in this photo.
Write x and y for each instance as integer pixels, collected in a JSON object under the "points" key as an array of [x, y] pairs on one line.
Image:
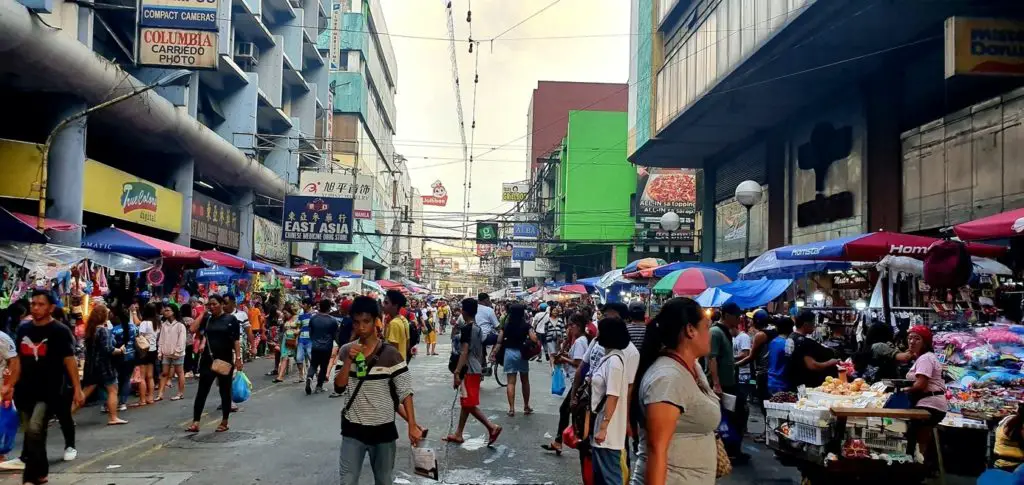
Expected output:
{"points": [[221, 333]]}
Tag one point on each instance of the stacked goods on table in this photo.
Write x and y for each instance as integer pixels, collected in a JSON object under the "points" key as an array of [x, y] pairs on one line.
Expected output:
{"points": [[985, 367]]}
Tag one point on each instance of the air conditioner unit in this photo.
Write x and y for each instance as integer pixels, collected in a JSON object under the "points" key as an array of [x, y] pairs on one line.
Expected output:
{"points": [[247, 55]]}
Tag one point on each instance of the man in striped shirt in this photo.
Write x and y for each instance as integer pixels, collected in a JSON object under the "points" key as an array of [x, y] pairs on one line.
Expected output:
{"points": [[372, 382]]}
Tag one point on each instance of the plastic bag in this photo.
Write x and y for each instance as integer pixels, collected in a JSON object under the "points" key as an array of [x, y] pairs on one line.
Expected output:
{"points": [[424, 462], [558, 382], [241, 388], [8, 427], [726, 432]]}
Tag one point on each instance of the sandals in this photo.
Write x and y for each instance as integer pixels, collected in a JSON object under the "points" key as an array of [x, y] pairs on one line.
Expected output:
{"points": [[276, 381], [178, 397], [192, 429], [528, 411], [493, 435], [551, 447], [161, 398], [136, 405], [222, 427], [453, 439], [510, 413], [117, 423]]}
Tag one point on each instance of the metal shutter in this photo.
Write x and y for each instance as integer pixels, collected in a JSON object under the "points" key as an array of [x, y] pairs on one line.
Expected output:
{"points": [[750, 165]]}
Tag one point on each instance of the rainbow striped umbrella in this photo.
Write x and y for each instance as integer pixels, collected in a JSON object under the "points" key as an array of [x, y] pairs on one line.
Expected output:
{"points": [[690, 281]]}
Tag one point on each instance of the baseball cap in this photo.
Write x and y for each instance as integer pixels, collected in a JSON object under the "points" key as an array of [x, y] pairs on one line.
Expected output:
{"points": [[731, 308], [760, 314], [637, 310], [591, 330]]}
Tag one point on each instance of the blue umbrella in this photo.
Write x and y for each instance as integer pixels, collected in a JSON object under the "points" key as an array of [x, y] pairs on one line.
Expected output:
{"points": [[218, 274], [768, 265]]}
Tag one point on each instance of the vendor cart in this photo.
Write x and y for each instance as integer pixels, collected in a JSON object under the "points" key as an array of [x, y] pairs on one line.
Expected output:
{"points": [[846, 445]]}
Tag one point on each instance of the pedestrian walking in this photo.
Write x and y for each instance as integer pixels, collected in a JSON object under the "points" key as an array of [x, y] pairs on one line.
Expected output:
{"points": [[368, 417], [568, 361], [98, 369], [305, 346], [540, 326], [323, 329], [221, 346], [47, 364], [124, 333], [396, 331], [609, 393], [171, 347], [145, 344], [288, 342], [471, 356], [513, 338]]}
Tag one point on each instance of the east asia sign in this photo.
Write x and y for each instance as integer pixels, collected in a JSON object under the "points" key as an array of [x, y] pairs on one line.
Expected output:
{"points": [[317, 219], [163, 47], [179, 14]]}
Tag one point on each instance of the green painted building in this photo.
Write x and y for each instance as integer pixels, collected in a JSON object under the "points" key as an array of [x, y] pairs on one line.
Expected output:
{"points": [[594, 187]]}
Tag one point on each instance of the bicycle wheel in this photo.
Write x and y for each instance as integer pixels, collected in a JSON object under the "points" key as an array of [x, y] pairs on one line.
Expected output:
{"points": [[499, 375]]}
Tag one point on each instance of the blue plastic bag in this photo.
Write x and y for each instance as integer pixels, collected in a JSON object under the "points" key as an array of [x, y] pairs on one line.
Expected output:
{"points": [[558, 382], [241, 388], [9, 422], [725, 431]]}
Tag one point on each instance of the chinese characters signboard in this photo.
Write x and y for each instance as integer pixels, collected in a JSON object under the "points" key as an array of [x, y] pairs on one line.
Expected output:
{"points": [[214, 222], [317, 219], [343, 186]]}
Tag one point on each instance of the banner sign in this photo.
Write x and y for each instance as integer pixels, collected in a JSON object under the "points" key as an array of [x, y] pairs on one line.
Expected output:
{"points": [[984, 46], [121, 195], [317, 219], [266, 240], [525, 230], [487, 232], [192, 49], [522, 253], [179, 14], [215, 222], [545, 265], [662, 190], [342, 186], [514, 192], [439, 197]]}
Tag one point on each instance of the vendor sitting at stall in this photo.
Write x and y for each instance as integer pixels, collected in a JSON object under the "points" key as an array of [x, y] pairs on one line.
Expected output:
{"points": [[880, 358], [1009, 446], [928, 391], [809, 362]]}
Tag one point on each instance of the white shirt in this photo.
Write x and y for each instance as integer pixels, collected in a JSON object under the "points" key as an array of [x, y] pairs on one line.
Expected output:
{"points": [[632, 361], [595, 352], [578, 351], [610, 380], [540, 322], [243, 321], [146, 330], [7, 351], [486, 319], [740, 343]]}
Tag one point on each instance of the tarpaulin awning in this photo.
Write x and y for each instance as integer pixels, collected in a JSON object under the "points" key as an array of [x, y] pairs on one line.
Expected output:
{"points": [[576, 289], [340, 273], [745, 293], [589, 282], [313, 270], [728, 269], [689, 282], [218, 258], [916, 266], [281, 270], [50, 259], [998, 226], [373, 286], [117, 240], [14, 229], [768, 265], [873, 247], [218, 274], [48, 223]]}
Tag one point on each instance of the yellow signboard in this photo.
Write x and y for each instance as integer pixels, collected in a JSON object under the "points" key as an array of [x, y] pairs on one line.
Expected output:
{"points": [[982, 46], [19, 163], [121, 195]]}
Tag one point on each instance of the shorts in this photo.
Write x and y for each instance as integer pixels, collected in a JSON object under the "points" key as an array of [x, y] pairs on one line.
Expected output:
{"points": [[169, 361], [515, 363], [469, 392], [432, 338], [935, 417], [304, 351]]}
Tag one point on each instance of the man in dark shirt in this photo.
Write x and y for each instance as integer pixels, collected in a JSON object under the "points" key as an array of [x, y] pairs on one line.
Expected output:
{"points": [[47, 357], [323, 329], [809, 361]]}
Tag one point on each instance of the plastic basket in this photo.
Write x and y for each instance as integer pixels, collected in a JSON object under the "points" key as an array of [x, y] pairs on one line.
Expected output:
{"points": [[779, 410], [809, 434], [814, 417]]}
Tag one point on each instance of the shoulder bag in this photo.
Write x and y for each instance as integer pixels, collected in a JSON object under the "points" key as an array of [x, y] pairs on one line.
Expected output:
{"points": [[582, 416], [723, 465], [218, 366]]}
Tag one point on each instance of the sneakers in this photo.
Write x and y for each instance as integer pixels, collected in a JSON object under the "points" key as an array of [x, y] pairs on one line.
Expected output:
{"points": [[318, 390], [123, 407], [309, 386], [70, 454], [15, 464]]}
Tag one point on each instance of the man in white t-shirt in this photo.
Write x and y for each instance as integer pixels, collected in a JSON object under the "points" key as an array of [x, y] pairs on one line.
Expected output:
{"points": [[540, 327], [741, 344], [486, 320], [8, 360]]}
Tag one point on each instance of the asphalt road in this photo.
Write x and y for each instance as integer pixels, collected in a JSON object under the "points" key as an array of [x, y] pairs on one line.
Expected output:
{"points": [[282, 436]]}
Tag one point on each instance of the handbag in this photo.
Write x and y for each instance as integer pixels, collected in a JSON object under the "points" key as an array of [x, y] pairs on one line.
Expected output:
{"points": [[219, 367], [142, 344], [530, 349]]}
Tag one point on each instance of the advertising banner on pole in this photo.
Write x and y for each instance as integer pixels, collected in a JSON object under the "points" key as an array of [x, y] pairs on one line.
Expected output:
{"points": [[317, 219], [515, 191], [341, 186], [525, 230], [524, 253], [266, 240]]}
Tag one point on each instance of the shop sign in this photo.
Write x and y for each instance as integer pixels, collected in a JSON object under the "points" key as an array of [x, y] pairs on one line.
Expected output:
{"points": [[121, 195], [179, 14], [215, 222], [485, 250], [524, 253], [343, 186], [521, 230], [163, 47], [984, 46], [545, 265], [439, 197], [487, 232], [317, 219], [514, 192], [266, 240], [663, 190]]}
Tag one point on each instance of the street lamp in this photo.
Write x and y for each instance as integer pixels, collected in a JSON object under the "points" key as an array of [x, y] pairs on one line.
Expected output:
{"points": [[669, 221], [748, 194], [166, 80]]}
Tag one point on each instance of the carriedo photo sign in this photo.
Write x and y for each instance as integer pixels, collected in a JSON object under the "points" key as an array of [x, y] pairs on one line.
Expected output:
{"points": [[317, 219], [178, 33]]}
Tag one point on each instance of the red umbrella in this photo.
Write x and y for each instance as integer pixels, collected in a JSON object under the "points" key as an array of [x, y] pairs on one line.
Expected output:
{"points": [[222, 259], [312, 270], [999, 226], [873, 247], [574, 289], [392, 285]]}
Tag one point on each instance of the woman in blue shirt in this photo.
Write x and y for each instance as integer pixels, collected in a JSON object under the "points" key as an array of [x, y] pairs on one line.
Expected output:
{"points": [[778, 359]]}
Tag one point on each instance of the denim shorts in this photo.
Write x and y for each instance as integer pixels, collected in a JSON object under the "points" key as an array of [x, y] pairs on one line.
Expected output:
{"points": [[169, 361], [304, 351], [515, 363]]}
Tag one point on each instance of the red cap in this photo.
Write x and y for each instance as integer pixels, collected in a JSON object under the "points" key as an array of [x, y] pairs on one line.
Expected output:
{"points": [[591, 330], [924, 332], [346, 305]]}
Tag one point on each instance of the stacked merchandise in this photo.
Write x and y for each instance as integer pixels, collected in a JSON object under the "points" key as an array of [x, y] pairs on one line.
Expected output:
{"points": [[985, 367]]}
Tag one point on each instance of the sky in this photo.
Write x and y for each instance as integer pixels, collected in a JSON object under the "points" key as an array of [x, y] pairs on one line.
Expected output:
{"points": [[509, 69]]}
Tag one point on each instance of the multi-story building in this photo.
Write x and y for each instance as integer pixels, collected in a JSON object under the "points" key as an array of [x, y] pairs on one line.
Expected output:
{"points": [[363, 78], [210, 157], [853, 116]]}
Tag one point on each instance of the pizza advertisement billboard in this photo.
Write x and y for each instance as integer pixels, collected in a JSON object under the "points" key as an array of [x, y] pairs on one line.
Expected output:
{"points": [[662, 190]]}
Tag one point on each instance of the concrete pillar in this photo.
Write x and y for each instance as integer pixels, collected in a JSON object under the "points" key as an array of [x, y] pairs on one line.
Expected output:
{"points": [[707, 230], [181, 181], [246, 203], [65, 174]]}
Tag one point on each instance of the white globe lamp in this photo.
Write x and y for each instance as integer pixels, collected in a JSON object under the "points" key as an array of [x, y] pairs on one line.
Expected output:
{"points": [[748, 193], [669, 221]]}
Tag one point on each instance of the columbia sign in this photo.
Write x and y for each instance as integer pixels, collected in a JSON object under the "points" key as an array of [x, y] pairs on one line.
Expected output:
{"points": [[193, 49], [906, 249]]}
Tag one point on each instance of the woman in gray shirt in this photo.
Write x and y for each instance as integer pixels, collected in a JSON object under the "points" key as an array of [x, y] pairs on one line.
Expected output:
{"points": [[674, 401]]}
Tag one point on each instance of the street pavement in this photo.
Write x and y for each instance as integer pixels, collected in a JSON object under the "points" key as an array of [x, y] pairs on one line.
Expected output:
{"points": [[282, 436]]}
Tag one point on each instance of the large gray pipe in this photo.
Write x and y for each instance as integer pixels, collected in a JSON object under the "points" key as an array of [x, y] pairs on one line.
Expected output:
{"points": [[61, 63]]}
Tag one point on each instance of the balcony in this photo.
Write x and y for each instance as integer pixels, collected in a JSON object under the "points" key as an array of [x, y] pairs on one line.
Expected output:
{"points": [[247, 17]]}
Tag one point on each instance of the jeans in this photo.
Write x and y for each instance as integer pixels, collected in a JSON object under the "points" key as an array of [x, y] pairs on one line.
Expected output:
{"points": [[609, 466], [382, 461], [124, 381], [206, 378], [319, 360], [35, 419]]}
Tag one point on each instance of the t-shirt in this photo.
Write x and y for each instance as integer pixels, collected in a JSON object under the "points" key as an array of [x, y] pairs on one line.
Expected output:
{"points": [[146, 330], [540, 322], [221, 334], [128, 341], [632, 361], [41, 351], [474, 336], [322, 330], [578, 351], [741, 343], [371, 418], [486, 319], [7, 351], [636, 334], [595, 352], [610, 379], [397, 334], [798, 347], [304, 328], [256, 318], [344, 330], [928, 365], [778, 365], [721, 351]]}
